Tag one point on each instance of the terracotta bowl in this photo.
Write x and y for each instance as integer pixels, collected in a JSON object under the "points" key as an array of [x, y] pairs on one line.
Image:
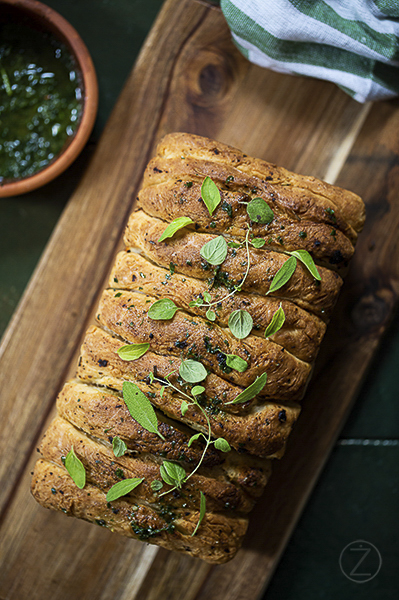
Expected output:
{"points": [[48, 19]]}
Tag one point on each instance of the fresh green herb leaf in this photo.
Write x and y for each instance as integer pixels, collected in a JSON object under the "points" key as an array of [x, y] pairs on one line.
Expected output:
{"points": [[174, 226], [259, 211], [308, 261], [240, 323], [233, 245], [172, 473], [197, 390], [140, 407], [151, 376], [236, 362], [276, 323], [163, 309], [222, 444], [192, 371], [132, 351], [193, 438], [211, 315], [75, 468], [251, 391], [215, 251], [283, 275], [207, 297], [210, 194], [202, 512], [161, 391], [118, 446], [156, 485], [197, 302], [184, 407], [258, 242], [122, 488]]}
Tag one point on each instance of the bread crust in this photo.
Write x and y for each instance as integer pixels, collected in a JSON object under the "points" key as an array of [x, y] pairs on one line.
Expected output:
{"points": [[186, 336], [183, 251], [262, 428], [301, 333], [299, 196], [172, 199], [217, 542], [104, 469]]}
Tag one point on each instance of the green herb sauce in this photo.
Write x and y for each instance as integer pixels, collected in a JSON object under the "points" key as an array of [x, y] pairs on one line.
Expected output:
{"points": [[41, 97]]}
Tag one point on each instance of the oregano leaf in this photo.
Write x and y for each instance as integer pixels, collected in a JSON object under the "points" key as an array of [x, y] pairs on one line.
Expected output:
{"points": [[184, 407], [174, 226], [197, 302], [140, 407], [156, 485], [132, 351], [210, 194], [251, 391], [258, 242], [202, 512], [163, 309], [119, 447], [307, 260], [222, 444], [75, 468], [240, 323], [236, 362], [215, 251], [276, 323], [211, 315], [122, 488], [207, 297], [193, 438], [172, 473], [259, 211], [283, 275], [197, 390], [192, 371]]}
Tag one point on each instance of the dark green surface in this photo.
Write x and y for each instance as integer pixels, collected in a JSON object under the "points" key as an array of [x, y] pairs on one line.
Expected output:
{"points": [[357, 494]]}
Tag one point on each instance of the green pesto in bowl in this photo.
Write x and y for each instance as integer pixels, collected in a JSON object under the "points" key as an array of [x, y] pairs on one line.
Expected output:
{"points": [[41, 97]]}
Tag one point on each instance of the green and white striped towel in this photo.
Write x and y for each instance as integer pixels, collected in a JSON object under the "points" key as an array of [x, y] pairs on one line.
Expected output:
{"points": [[354, 43]]}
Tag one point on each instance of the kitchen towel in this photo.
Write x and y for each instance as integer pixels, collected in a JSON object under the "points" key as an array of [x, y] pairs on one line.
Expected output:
{"points": [[354, 43]]}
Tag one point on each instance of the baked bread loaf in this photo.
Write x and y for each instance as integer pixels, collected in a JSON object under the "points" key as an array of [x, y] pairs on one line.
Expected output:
{"points": [[189, 382]]}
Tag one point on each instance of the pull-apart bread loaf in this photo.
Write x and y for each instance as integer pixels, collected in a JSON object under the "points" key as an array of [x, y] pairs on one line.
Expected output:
{"points": [[189, 383]]}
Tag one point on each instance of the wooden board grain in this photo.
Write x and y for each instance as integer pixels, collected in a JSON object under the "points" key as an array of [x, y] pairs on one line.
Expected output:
{"points": [[190, 77]]}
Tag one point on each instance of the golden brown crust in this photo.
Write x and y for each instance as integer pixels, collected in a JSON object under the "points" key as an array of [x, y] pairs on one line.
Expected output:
{"points": [[183, 251], [301, 333], [101, 414], [172, 199], [217, 540], [297, 195], [104, 469], [126, 314], [262, 430]]}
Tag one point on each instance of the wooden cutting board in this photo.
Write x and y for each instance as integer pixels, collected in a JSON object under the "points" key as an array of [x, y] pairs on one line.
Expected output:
{"points": [[189, 77]]}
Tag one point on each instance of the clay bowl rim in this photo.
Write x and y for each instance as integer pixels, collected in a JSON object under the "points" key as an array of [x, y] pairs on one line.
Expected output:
{"points": [[52, 21]]}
